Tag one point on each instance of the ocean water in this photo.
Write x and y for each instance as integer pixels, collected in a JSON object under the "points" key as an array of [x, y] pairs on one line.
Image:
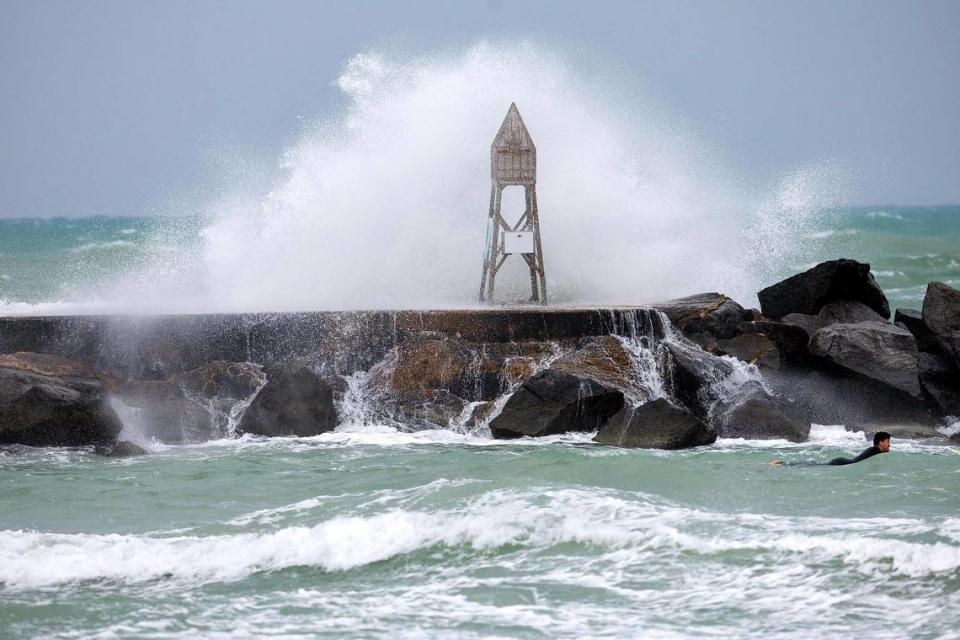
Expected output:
{"points": [[71, 265], [370, 533]]}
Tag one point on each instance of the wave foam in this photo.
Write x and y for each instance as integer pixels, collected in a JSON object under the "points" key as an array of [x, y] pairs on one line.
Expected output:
{"points": [[638, 525]]}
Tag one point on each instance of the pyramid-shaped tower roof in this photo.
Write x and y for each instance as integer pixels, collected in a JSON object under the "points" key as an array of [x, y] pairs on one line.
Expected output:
{"points": [[513, 156], [513, 134]]}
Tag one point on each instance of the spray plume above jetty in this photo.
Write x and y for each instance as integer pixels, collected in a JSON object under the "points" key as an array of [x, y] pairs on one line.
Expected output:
{"points": [[377, 207]]}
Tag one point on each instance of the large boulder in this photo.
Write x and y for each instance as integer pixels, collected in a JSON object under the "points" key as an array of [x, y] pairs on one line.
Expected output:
{"points": [[839, 312], [46, 400], [606, 360], [293, 402], [192, 406], [427, 362], [429, 379], [940, 379], [941, 308], [833, 395], [222, 379], [656, 425], [705, 313], [752, 348], [790, 343], [695, 375], [752, 413], [553, 402], [715, 391], [883, 352], [912, 320], [827, 282], [941, 313]]}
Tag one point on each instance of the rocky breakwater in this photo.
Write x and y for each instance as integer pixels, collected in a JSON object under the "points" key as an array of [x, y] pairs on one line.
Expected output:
{"points": [[828, 351], [821, 349]]}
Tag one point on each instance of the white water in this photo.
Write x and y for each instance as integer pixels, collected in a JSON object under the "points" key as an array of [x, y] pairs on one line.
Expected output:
{"points": [[383, 203], [640, 525]]}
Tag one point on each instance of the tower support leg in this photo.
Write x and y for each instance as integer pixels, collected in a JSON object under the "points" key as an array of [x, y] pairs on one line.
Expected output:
{"points": [[491, 231], [541, 291]]}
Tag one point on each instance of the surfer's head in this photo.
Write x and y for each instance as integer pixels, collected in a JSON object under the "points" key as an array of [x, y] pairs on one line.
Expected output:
{"points": [[881, 440]]}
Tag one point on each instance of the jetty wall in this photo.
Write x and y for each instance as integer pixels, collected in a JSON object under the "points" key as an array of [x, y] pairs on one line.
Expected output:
{"points": [[147, 347]]}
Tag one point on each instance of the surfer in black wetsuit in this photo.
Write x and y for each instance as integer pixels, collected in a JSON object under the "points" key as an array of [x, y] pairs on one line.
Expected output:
{"points": [[881, 444]]}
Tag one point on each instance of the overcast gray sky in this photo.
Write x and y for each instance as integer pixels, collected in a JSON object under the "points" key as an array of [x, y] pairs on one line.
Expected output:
{"points": [[115, 107]]}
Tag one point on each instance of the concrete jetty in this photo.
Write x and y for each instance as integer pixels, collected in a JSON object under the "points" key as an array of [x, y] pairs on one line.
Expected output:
{"points": [[128, 346]]}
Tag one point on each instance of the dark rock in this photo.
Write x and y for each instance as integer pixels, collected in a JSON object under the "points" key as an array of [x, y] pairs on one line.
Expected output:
{"points": [[941, 308], [293, 402], [913, 321], [479, 414], [827, 282], [428, 362], [880, 351], [790, 341], [834, 395], [692, 374], [441, 409], [193, 406], [220, 379], [553, 402], [711, 313], [848, 311], [700, 382], [753, 414], [429, 379], [121, 449], [932, 365], [49, 401], [940, 379], [752, 348], [809, 324], [656, 425], [941, 313], [603, 359], [723, 321], [518, 369], [840, 312]]}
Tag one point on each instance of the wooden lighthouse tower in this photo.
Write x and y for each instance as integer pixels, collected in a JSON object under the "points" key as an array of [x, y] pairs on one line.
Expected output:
{"points": [[513, 161]]}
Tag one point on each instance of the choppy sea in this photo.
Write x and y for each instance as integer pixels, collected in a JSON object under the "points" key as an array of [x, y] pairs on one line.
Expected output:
{"points": [[368, 532], [373, 533]]}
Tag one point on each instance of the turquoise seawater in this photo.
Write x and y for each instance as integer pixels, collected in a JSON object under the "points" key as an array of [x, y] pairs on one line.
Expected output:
{"points": [[434, 535], [906, 247]]}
